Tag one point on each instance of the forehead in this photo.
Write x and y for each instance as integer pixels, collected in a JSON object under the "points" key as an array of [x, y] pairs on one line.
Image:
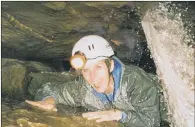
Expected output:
{"points": [[91, 64]]}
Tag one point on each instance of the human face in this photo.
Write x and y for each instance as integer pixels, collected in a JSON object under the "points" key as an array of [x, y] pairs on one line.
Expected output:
{"points": [[98, 76]]}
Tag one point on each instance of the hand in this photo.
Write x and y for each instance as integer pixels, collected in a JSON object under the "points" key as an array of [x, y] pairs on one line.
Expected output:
{"points": [[101, 116], [44, 105]]}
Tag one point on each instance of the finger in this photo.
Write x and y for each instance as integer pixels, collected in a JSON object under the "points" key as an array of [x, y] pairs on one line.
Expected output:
{"points": [[89, 114], [49, 109], [32, 103], [103, 119], [94, 117], [100, 120], [54, 109]]}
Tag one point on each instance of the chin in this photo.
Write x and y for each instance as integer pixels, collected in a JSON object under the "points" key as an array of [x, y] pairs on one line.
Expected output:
{"points": [[100, 90]]}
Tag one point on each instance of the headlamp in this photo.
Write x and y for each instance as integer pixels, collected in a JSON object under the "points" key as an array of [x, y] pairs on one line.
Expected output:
{"points": [[78, 61]]}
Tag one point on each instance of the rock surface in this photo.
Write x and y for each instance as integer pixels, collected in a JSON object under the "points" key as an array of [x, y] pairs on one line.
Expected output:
{"points": [[20, 115], [16, 78], [169, 41], [48, 30]]}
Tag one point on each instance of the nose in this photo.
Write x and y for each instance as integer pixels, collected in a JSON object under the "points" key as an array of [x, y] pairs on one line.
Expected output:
{"points": [[93, 75]]}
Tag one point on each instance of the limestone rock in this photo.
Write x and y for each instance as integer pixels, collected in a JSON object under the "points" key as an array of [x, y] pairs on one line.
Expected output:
{"points": [[168, 41], [33, 118], [16, 78], [48, 30]]}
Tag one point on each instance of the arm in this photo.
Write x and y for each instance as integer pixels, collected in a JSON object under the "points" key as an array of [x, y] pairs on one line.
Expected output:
{"points": [[47, 104], [66, 93], [143, 95]]}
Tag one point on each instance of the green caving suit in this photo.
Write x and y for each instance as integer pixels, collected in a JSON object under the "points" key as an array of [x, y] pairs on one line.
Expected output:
{"points": [[138, 96]]}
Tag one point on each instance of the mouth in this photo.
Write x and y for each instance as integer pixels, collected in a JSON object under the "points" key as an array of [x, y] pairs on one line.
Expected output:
{"points": [[96, 84]]}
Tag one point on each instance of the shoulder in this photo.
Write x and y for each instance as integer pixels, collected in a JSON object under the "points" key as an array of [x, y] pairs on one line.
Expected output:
{"points": [[135, 71], [137, 77], [131, 72]]}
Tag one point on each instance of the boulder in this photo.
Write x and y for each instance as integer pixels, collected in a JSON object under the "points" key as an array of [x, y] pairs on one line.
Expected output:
{"points": [[16, 78]]}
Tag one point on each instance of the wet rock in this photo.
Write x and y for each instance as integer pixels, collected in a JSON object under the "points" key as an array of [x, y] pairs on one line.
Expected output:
{"points": [[48, 30], [55, 5], [12, 126], [24, 122], [15, 76], [106, 4], [14, 79], [32, 118], [168, 40], [128, 45]]}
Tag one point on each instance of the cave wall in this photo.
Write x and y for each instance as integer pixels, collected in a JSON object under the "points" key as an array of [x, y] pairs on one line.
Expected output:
{"points": [[47, 31], [168, 41]]}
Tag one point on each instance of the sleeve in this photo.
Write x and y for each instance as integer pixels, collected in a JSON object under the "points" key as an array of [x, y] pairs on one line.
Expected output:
{"points": [[143, 95], [66, 93]]}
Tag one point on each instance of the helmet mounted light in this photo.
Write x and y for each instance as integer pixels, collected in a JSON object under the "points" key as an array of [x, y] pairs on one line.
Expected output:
{"points": [[78, 61], [88, 49]]}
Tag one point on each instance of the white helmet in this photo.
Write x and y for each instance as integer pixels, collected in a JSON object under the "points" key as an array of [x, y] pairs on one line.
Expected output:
{"points": [[94, 48]]}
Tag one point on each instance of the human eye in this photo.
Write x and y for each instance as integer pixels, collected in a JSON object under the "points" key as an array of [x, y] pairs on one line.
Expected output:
{"points": [[85, 70], [99, 66]]}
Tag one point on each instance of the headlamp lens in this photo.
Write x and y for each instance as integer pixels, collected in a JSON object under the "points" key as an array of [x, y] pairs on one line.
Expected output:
{"points": [[78, 61]]}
